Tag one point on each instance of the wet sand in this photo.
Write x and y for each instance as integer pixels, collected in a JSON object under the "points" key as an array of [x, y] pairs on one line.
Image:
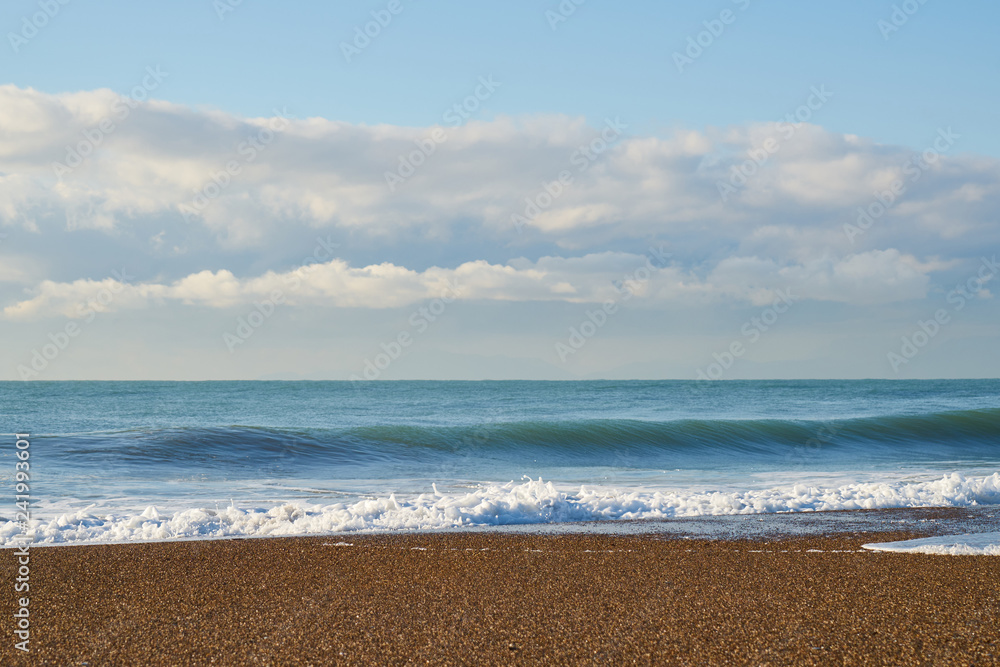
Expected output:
{"points": [[496, 599]]}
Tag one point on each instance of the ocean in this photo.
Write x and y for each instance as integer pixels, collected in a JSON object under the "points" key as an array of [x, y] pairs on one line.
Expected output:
{"points": [[139, 461]]}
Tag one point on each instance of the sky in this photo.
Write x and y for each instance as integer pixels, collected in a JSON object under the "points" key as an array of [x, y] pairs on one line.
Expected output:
{"points": [[231, 189]]}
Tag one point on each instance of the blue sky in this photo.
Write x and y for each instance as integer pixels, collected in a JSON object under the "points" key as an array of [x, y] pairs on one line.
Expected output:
{"points": [[205, 81], [607, 58]]}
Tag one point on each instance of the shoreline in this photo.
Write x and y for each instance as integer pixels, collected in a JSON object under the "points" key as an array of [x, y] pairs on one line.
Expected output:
{"points": [[933, 520], [502, 598]]}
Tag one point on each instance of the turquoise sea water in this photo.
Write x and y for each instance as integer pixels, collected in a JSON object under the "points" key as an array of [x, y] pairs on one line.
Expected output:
{"points": [[155, 460]]}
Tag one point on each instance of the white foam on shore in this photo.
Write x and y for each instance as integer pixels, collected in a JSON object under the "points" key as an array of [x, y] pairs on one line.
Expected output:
{"points": [[976, 544], [527, 502]]}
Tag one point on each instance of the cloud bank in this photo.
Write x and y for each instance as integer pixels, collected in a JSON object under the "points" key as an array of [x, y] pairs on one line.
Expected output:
{"points": [[511, 209]]}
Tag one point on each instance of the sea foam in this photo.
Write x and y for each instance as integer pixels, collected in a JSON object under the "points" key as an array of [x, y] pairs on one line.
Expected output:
{"points": [[977, 544], [530, 501]]}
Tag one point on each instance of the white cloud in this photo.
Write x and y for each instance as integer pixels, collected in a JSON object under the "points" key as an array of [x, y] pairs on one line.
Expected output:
{"points": [[872, 277], [324, 173], [783, 228]]}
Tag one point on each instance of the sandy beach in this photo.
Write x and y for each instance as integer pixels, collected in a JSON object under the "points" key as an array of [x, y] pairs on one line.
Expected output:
{"points": [[496, 599]]}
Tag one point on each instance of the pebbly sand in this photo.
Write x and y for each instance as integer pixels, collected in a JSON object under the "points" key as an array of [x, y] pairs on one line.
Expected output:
{"points": [[497, 599]]}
